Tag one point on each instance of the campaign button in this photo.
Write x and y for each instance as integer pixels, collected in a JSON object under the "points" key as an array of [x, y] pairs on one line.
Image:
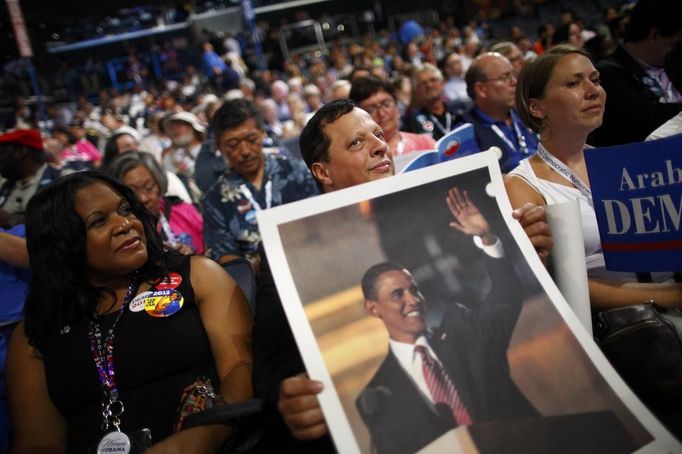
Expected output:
{"points": [[137, 304], [170, 282], [452, 147], [163, 303]]}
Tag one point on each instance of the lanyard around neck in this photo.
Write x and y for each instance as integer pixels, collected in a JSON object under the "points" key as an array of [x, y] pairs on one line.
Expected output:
{"points": [[165, 226], [523, 147], [102, 351], [448, 122], [249, 196], [563, 170]]}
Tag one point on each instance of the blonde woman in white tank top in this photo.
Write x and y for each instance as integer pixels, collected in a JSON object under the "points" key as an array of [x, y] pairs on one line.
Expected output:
{"points": [[560, 97]]}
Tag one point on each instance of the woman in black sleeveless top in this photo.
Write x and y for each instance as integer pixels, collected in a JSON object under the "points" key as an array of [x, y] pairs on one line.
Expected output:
{"points": [[115, 322]]}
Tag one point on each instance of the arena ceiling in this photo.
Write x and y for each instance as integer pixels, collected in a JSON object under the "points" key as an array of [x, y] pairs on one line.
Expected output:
{"points": [[73, 10]]}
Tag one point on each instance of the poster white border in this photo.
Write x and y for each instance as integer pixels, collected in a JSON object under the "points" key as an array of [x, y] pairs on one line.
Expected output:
{"points": [[337, 420]]}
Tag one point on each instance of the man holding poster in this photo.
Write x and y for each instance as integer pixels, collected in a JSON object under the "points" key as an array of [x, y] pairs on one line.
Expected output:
{"points": [[457, 374], [344, 147], [319, 252]]}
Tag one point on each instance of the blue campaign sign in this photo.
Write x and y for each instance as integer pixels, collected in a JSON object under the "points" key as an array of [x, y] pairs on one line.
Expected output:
{"points": [[637, 194], [457, 143]]}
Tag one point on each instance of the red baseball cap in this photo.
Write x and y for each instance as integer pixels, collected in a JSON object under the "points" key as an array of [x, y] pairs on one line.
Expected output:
{"points": [[27, 137]]}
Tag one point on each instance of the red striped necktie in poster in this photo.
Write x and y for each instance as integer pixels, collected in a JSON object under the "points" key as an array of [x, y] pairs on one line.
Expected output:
{"points": [[441, 387]]}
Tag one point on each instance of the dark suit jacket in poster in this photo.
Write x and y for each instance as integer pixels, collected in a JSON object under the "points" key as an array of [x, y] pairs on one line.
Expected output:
{"points": [[472, 345]]}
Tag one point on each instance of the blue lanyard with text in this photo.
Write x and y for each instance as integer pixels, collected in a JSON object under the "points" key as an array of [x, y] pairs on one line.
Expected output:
{"points": [[165, 226], [523, 147], [564, 171]]}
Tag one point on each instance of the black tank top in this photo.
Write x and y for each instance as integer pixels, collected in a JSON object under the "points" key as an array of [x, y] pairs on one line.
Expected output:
{"points": [[154, 360]]}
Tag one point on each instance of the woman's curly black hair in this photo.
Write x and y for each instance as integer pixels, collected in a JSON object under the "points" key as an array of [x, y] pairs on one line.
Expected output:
{"points": [[60, 293]]}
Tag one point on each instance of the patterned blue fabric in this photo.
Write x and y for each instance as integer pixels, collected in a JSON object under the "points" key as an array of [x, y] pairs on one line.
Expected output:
{"points": [[230, 219], [212, 60]]}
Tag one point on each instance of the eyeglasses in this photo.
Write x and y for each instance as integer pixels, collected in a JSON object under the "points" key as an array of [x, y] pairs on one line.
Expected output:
{"points": [[386, 104], [505, 78], [253, 138]]}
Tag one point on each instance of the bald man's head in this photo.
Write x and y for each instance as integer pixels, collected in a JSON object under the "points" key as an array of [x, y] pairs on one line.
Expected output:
{"points": [[491, 83]]}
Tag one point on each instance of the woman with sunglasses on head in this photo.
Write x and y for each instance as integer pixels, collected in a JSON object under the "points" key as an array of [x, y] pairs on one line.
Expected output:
{"points": [[179, 223], [94, 364]]}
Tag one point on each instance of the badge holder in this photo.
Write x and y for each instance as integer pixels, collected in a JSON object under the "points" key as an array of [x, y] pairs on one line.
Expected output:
{"points": [[116, 441], [102, 350]]}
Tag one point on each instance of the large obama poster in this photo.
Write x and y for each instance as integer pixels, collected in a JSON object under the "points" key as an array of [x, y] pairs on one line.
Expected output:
{"points": [[420, 304]]}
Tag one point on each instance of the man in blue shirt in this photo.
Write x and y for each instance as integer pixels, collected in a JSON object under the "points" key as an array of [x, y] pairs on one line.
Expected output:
{"points": [[220, 75], [254, 181], [491, 83], [14, 277], [14, 274]]}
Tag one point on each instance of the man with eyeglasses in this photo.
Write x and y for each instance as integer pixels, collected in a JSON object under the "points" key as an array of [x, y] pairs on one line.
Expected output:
{"points": [[434, 116], [253, 181], [377, 98], [491, 83]]}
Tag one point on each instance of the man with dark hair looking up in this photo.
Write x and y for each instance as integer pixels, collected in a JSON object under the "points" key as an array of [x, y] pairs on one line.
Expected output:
{"points": [[342, 146], [351, 152]]}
